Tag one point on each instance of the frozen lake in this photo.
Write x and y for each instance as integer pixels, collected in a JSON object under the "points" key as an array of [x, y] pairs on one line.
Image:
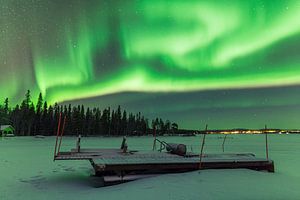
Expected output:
{"points": [[28, 171]]}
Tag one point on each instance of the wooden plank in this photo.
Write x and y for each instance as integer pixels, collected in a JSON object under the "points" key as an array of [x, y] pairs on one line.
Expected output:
{"points": [[109, 160], [101, 151], [182, 167]]}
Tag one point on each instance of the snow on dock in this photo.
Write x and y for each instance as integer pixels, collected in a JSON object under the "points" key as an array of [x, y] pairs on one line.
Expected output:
{"points": [[170, 158], [115, 166]]}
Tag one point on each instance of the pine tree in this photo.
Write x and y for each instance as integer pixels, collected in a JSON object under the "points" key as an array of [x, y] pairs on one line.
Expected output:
{"points": [[124, 123], [76, 120], [38, 114], [112, 123], [174, 127], [15, 117], [167, 126], [144, 126], [4, 113], [82, 121], [28, 119], [105, 122], [44, 119], [51, 125], [69, 123], [25, 114], [39, 104], [55, 118], [6, 106], [87, 122], [27, 100], [161, 126], [118, 117], [131, 124]]}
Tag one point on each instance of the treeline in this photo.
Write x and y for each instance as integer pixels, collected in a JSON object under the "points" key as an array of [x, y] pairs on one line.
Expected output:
{"points": [[42, 119]]}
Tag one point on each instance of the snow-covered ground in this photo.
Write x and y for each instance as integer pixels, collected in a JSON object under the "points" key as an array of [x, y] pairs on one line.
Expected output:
{"points": [[27, 171]]}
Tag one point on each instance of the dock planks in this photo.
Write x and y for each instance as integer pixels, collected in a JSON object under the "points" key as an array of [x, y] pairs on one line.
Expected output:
{"points": [[109, 161]]}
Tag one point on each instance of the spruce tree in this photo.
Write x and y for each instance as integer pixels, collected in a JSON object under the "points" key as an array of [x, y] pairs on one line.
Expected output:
{"points": [[44, 119], [6, 106], [28, 119], [38, 114], [124, 123]]}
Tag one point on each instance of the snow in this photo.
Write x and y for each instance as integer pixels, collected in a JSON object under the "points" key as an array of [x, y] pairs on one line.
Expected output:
{"points": [[28, 171]]}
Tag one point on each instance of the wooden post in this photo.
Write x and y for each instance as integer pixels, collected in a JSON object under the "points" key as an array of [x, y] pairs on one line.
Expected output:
{"points": [[267, 149], [202, 147], [61, 134], [58, 129], [223, 144], [78, 143], [154, 135]]}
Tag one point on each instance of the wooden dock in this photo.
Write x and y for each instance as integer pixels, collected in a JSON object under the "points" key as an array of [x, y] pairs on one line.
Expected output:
{"points": [[119, 164]]}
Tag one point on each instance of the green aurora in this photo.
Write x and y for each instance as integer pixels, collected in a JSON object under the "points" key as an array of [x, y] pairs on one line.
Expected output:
{"points": [[74, 50]]}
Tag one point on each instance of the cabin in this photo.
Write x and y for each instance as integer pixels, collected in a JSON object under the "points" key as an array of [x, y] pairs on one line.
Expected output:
{"points": [[7, 130]]}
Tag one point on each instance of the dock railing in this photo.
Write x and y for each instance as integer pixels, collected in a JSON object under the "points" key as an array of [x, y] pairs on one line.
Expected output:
{"points": [[267, 147], [59, 136], [163, 144], [223, 144], [202, 147]]}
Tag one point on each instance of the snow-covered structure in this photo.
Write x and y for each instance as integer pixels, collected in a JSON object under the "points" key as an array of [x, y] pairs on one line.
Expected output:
{"points": [[7, 130]]}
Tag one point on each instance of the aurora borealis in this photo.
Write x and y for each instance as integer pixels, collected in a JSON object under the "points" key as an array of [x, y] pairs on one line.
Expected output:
{"points": [[227, 63]]}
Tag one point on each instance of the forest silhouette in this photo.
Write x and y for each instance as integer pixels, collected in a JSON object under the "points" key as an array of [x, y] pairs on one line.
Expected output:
{"points": [[29, 119]]}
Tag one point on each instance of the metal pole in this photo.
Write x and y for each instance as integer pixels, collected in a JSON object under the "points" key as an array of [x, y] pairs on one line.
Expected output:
{"points": [[267, 149], [58, 128], [202, 147]]}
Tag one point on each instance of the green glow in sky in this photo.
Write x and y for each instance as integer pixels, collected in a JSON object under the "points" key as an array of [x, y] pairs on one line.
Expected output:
{"points": [[80, 49]]}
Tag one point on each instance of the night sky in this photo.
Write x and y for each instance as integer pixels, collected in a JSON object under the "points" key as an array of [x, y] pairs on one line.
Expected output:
{"points": [[230, 64]]}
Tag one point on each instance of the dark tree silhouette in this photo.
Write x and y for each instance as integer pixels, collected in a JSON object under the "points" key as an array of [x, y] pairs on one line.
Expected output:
{"points": [[42, 119]]}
